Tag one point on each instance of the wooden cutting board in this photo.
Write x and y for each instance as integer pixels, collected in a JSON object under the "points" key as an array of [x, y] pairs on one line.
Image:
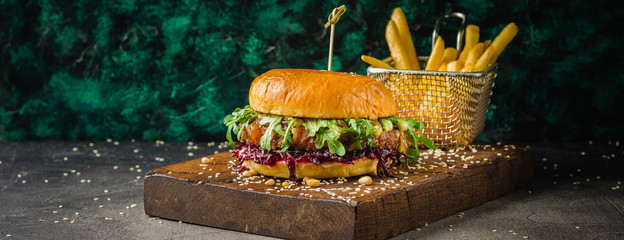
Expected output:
{"points": [[440, 184]]}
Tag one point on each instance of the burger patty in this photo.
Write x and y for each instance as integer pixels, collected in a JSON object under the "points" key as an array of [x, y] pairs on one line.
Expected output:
{"points": [[301, 141]]}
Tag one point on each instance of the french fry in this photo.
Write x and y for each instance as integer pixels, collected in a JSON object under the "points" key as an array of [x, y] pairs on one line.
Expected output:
{"points": [[455, 66], [375, 62], [502, 40], [443, 66], [387, 60], [396, 49], [406, 37], [474, 55], [450, 54], [484, 60], [467, 67], [437, 55], [402, 50], [487, 43], [398, 17], [472, 38]]}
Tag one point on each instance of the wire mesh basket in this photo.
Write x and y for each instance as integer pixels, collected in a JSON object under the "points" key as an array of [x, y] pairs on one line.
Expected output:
{"points": [[452, 105]]}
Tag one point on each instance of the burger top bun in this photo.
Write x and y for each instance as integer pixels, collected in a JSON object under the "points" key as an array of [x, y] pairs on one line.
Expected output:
{"points": [[307, 93]]}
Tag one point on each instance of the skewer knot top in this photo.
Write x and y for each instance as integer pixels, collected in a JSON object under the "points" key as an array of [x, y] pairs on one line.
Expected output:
{"points": [[335, 15]]}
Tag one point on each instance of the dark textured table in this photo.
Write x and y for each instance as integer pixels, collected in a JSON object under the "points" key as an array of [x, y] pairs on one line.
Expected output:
{"points": [[94, 190]]}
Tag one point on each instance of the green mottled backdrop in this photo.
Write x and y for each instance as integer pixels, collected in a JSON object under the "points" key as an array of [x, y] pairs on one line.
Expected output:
{"points": [[172, 70]]}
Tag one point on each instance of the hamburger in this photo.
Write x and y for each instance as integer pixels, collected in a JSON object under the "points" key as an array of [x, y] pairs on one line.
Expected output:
{"points": [[320, 124]]}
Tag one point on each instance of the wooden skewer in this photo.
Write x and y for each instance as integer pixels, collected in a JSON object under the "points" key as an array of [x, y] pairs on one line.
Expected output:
{"points": [[331, 21]]}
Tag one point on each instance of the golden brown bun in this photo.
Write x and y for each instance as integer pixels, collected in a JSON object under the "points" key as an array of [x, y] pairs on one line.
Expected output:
{"points": [[360, 166], [309, 93]]}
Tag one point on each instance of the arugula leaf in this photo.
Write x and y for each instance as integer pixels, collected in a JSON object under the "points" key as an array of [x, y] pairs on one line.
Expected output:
{"points": [[415, 124], [274, 125], [428, 143], [412, 154], [368, 134], [243, 116], [266, 120], [354, 127], [228, 135], [238, 129], [414, 138], [336, 147], [287, 136], [330, 136], [364, 129], [326, 132], [312, 125]]}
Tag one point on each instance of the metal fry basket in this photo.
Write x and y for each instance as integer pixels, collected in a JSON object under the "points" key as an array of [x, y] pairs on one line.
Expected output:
{"points": [[452, 105]]}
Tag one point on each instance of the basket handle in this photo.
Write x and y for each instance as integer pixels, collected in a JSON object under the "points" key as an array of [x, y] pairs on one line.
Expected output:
{"points": [[460, 32]]}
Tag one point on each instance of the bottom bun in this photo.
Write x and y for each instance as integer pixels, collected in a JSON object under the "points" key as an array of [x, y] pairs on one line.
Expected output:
{"points": [[360, 166]]}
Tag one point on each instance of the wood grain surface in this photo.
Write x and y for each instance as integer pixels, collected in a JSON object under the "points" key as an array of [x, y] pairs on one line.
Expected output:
{"points": [[439, 184]]}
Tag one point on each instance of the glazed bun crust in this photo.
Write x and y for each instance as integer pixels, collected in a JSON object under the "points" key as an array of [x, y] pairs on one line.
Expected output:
{"points": [[360, 166], [307, 93]]}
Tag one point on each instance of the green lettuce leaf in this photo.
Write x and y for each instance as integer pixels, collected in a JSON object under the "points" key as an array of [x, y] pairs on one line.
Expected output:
{"points": [[427, 142], [312, 125], [275, 124], [328, 133], [287, 136], [363, 128], [242, 116]]}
